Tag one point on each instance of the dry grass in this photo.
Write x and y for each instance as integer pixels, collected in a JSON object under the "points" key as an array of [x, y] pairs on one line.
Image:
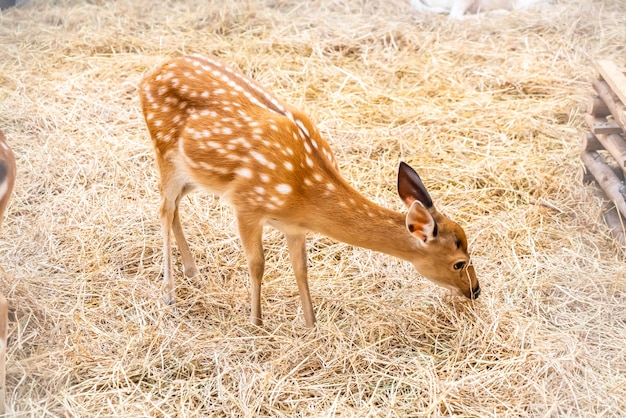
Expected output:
{"points": [[488, 108]]}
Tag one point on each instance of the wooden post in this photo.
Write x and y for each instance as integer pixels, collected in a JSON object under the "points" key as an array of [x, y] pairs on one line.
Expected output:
{"points": [[599, 125], [597, 107], [614, 77], [617, 108], [591, 143], [615, 223], [606, 178], [4, 322], [616, 146]]}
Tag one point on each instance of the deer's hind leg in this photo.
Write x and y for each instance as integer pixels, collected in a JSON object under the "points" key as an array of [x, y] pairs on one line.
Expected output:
{"points": [[172, 191]]}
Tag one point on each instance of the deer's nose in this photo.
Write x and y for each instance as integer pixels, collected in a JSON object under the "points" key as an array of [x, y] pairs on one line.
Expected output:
{"points": [[475, 292]]}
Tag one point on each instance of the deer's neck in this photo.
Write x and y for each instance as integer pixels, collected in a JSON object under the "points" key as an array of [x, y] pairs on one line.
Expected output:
{"points": [[349, 217]]}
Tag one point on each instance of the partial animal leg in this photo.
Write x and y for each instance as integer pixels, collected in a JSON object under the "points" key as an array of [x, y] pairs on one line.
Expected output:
{"points": [[297, 254], [189, 264], [168, 208], [251, 234]]}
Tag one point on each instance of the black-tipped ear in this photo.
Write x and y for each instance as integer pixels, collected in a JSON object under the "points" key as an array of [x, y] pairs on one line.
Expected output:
{"points": [[411, 188]]}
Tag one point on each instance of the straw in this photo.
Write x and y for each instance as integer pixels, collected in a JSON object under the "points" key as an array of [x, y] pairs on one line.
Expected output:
{"points": [[488, 109]]}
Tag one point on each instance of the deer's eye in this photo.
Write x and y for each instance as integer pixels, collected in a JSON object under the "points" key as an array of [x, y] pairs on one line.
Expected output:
{"points": [[459, 265]]}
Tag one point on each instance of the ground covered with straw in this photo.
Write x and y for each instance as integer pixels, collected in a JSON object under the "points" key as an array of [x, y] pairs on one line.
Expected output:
{"points": [[488, 109]]}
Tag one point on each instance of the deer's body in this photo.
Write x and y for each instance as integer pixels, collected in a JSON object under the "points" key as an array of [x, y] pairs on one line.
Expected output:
{"points": [[7, 180], [217, 130]]}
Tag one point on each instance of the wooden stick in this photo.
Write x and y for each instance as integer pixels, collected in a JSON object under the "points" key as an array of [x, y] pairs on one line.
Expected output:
{"points": [[615, 223], [4, 321], [617, 108], [606, 178], [599, 125], [590, 142], [597, 107], [616, 146], [614, 77]]}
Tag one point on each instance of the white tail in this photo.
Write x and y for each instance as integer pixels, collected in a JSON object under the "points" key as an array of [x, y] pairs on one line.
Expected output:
{"points": [[217, 130], [7, 180]]}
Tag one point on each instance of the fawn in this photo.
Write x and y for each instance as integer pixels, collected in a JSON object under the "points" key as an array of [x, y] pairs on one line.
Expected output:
{"points": [[217, 130], [7, 180]]}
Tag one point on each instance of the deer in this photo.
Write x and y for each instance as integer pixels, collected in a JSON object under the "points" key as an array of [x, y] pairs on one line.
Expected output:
{"points": [[7, 181], [217, 130]]}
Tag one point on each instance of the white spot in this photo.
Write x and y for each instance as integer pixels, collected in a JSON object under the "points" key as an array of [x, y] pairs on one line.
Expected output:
{"points": [[274, 127], [317, 177], [288, 165], [302, 127], [241, 141], [150, 116], [283, 188], [227, 131], [158, 122], [265, 178], [219, 91], [205, 94], [245, 172], [259, 157], [309, 162], [170, 99], [259, 190], [330, 186], [213, 144], [307, 147]]}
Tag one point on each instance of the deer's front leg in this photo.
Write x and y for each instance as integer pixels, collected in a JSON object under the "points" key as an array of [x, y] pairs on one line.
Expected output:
{"points": [[189, 264], [297, 254], [167, 216]]}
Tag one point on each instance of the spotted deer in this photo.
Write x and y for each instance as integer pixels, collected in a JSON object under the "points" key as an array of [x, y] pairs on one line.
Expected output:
{"points": [[217, 130], [7, 180]]}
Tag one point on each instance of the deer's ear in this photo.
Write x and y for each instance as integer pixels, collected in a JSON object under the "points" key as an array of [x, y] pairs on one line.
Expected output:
{"points": [[411, 188], [420, 223]]}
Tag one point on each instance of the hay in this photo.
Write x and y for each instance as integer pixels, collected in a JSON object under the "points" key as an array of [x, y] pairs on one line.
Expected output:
{"points": [[489, 109]]}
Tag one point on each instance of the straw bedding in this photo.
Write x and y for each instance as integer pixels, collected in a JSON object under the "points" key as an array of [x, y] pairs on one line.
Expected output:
{"points": [[488, 109]]}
